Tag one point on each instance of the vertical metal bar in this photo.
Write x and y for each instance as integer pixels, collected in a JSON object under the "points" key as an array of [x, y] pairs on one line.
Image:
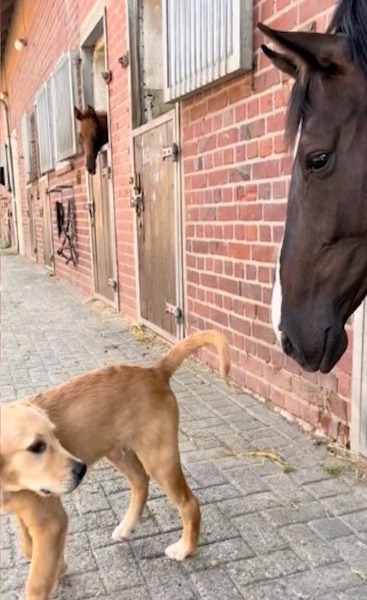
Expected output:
{"points": [[198, 10]]}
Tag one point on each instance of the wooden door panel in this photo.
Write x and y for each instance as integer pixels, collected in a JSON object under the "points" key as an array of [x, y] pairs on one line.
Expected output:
{"points": [[46, 225], [101, 230], [156, 226], [31, 222]]}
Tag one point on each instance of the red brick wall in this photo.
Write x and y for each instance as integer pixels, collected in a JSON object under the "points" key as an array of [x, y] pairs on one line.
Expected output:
{"points": [[51, 27], [236, 177]]}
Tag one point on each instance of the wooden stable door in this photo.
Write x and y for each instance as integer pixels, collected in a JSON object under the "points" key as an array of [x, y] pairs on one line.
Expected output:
{"points": [[156, 204], [48, 253], [102, 231], [31, 222]]}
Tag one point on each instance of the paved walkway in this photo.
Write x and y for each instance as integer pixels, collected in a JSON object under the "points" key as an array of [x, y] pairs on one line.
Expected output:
{"points": [[267, 534]]}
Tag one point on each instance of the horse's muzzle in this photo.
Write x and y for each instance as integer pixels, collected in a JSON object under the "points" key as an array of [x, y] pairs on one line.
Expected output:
{"points": [[320, 352]]}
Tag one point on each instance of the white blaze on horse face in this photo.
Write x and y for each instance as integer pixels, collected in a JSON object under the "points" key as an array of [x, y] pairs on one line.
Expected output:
{"points": [[276, 300]]}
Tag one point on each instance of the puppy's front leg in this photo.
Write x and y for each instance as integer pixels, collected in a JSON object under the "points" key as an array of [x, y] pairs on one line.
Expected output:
{"points": [[48, 537], [25, 538]]}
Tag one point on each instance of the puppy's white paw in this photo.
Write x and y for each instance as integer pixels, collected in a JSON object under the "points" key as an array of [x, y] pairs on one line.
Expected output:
{"points": [[122, 532], [178, 551]]}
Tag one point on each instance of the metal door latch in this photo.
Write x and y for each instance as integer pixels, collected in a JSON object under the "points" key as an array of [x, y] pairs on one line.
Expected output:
{"points": [[136, 200], [112, 283], [171, 150], [176, 311], [107, 172]]}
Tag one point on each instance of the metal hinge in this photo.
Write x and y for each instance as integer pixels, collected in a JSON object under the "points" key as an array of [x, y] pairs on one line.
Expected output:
{"points": [[112, 283], [171, 150], [176, 311]]}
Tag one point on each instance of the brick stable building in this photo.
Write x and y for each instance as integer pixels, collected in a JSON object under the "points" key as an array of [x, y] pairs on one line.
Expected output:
{"points": [[180, 226]]}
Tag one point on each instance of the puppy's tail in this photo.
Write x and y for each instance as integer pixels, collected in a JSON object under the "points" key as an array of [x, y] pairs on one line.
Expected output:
{"points": [[168, 365]]}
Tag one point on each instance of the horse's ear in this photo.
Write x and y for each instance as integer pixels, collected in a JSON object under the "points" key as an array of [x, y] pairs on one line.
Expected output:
{"points": [[78, 114], [281, 61], [320, 51]]}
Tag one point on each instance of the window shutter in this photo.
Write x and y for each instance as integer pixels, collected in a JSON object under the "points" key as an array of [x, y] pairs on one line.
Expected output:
{"points": [[44, 129], [26, 146], [205, 41], [63, 96]]}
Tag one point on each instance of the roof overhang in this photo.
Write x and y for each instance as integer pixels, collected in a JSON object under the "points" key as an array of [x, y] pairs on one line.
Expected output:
{"points": [[6, 15]]}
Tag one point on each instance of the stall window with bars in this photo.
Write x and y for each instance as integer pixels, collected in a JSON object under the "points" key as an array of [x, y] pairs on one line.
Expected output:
{"points": [[204, 41], [63, 85], [43, 108]]}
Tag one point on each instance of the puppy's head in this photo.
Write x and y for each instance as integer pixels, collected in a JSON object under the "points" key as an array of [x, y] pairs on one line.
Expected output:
{"points": [[31, 456]]}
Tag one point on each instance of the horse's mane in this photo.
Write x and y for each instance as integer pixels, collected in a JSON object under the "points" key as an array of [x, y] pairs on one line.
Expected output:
{"points": [[349, 19]]}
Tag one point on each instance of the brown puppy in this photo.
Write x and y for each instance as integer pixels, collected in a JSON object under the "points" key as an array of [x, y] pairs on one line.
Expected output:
{"points": [[31, 456], [129, 415]]}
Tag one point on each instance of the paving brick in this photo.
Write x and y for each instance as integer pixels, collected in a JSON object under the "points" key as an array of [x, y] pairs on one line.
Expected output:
{"points": [[269, 566], [258, 533], [215, 581], [330, 529], [118, 567], [261, 529]]}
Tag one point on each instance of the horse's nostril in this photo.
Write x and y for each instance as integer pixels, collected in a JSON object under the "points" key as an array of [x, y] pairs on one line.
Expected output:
{"points": [[287, 344]]}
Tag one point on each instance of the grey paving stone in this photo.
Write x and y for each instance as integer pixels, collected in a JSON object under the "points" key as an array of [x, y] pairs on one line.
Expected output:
{"points": [[118, 567], [295, 513], [217, 554], [215, 582], [344, 504], [259, 533], [246, 480], [257, 544], [330, 529], [81, 587], [354, 552], [250, 503], [328, 579], [165, 579], [356, 593], [326, 487], [309, 547], [260, 568]]}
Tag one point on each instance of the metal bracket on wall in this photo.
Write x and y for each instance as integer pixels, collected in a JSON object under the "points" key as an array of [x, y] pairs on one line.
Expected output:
{"points": [[67, 228]]}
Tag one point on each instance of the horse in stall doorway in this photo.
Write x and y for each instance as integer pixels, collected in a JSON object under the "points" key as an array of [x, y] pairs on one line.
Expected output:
{"points": [[93, 134]]}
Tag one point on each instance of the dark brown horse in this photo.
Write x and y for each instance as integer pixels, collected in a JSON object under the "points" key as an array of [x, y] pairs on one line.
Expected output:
{"points": [[321, 276], [93, 134]]}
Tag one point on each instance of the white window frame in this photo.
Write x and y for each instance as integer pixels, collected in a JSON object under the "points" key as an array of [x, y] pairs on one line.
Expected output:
{"points": [[58, 107], [204, 42]]}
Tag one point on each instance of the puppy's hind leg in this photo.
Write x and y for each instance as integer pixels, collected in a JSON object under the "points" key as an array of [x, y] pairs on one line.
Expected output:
{"points": [[164, 466], [129, 465]]}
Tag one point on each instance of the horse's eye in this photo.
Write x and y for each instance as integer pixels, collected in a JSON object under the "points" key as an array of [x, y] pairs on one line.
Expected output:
{"points": [[37, 447], [317, 161]]}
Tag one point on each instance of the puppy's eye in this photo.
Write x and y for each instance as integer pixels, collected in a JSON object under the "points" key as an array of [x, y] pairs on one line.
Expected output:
{"points": [[37, 447]]}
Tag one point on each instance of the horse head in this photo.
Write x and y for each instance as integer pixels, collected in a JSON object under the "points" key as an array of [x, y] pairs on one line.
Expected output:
{"points": [[321, 275], [93, 134]]}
